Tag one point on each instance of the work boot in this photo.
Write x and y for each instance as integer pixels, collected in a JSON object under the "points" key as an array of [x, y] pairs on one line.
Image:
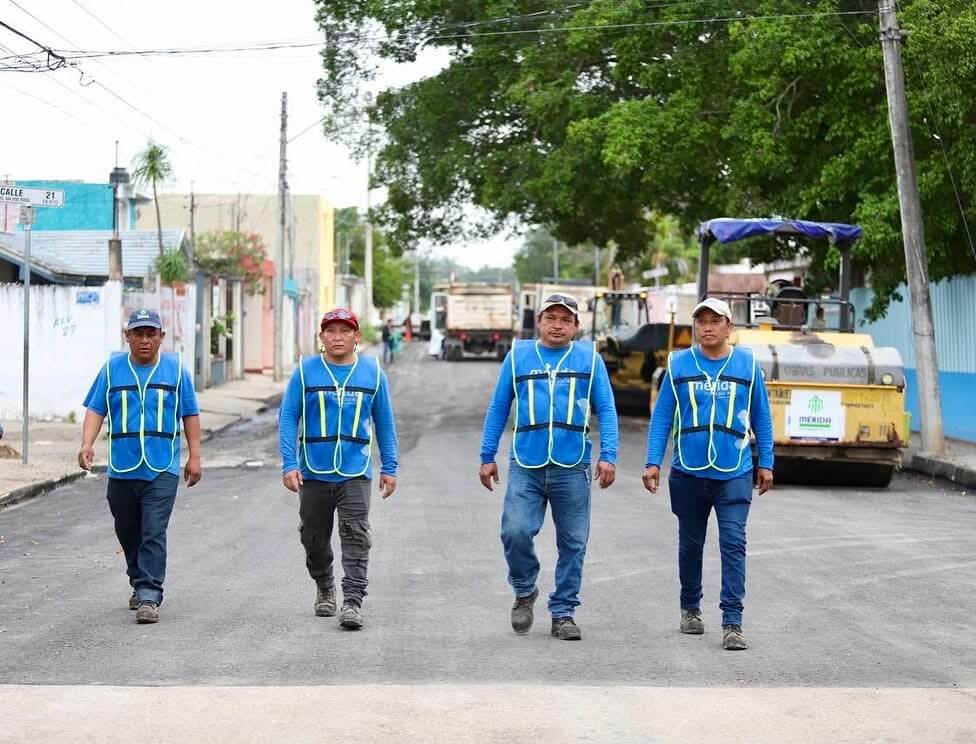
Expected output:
{"points": [[133, 602], [148, 612], [325, 602], [522, 614], [691, 622], [565, 629], [732, 638], [351, 616]]}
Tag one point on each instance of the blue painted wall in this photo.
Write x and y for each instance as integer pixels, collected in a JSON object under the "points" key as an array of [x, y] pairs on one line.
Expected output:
{"points": [[955, 330], [87, 206]]}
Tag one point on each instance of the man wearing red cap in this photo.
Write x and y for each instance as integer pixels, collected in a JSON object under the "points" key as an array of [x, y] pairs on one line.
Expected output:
{"points": [[332, 405]]}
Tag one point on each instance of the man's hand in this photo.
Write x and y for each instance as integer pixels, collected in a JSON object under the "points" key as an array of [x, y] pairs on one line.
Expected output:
{"points": [[605, 473], [293, 480], [388, 485], [652, 478], [193, 472], [86, 456], [764, 480], [487, 474]]}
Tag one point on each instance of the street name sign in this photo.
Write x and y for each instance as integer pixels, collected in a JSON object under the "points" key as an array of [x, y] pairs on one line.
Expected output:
{"points": [[34, 197]]}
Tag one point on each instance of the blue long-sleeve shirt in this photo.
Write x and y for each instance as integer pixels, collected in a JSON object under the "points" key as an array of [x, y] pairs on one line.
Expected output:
{"points": [[601, 401], [662, 421], [383, 425]]}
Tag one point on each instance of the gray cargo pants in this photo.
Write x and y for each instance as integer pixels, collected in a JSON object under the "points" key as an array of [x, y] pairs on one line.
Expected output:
{"points": [[319, 502]]}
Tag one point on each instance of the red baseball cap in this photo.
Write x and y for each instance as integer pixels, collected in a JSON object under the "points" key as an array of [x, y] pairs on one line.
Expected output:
{"points": [[340, 315]]}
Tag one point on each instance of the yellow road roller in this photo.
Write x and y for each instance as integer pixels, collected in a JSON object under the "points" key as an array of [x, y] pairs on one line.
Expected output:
{"points": [[838, 401]]}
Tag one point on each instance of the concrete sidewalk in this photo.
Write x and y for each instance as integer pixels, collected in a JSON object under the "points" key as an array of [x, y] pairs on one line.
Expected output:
{"points": [[54, 445], [957, 463]]}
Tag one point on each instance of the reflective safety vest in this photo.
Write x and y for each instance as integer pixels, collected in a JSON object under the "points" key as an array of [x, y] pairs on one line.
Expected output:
{"points": [[337, 432], [143, 422], [712, 415], [552, 404]]}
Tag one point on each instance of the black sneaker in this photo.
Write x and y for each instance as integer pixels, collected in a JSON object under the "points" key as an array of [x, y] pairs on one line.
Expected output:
{"points": [[565, 629], [732, 638], [351, 616], [148, 612], [133, 602], [691, 622], [325, 602], [522, 614]]}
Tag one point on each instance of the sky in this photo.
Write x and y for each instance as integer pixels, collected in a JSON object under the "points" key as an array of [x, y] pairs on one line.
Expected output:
{"points": [[219, 114]]}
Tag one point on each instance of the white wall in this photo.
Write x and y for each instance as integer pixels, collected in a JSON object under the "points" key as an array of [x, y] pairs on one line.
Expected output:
{"points": [[69, 342]]}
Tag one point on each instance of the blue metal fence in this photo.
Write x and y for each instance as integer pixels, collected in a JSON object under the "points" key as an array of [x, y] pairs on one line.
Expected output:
{"points": [[954, 314]]}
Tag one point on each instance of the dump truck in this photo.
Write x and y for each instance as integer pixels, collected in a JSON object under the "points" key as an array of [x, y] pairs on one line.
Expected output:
{"points": [[475, 319], [838, 401]]}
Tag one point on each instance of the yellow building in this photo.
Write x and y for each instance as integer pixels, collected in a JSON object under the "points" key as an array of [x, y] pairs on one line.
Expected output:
{"points": [[308, 262]]}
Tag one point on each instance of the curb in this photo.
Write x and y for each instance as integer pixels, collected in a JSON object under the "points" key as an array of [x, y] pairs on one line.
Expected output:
{"points": [[937, 468], [25, 493]]}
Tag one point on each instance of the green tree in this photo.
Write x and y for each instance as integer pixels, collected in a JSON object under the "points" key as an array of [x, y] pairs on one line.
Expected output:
{"points": [[151, 167], [589, 116], [388, 269]]}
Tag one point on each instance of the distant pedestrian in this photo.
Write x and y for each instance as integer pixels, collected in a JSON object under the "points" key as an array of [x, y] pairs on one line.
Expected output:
{"points": [[711, 397], [389, 342], [145, 394], [326, 433], [554, 382]]}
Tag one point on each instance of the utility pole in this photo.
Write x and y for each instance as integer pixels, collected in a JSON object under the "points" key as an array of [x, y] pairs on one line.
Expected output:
{"points": [[416, 283], [193, 212], [279, 284], [368, 225], [596, 265], [916, 257], [27, 221], [555, 259]]}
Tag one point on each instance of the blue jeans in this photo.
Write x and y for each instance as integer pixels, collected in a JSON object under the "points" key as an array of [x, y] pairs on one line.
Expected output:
{"points": [[388, 351], [692, 500], [567, 490], [142, 509]]}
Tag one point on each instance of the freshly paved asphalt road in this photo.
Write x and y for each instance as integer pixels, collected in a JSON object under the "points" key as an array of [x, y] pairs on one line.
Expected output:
{"points": [[847, 588]]}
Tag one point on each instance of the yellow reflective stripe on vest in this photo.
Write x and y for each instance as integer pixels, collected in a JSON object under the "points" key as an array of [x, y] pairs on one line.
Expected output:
{"points": [[125, 411], [729, 416], [531, 401], [572, 400], [359, 408], [694, 404], [321, 411], [159, 410]]}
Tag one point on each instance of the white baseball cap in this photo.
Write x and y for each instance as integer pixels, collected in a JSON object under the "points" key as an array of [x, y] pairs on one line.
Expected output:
{"points": [[717, 306], [567, 301]]}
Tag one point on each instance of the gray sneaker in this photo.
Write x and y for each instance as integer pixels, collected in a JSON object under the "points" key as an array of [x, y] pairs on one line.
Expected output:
{"points": [[732, 638], [691, 622], [351, 616], [325, 602], [148, 612], [565, 629], [133, 602], [522, 614]]}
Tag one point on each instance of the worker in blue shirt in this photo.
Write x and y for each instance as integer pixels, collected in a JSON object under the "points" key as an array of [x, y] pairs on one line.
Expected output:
{"points": [[554, 383], [326, 431], [146, 395], [712, 396]]}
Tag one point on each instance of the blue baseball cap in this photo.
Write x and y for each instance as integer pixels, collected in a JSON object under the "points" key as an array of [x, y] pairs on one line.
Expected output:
{"points": [[143, 318]]}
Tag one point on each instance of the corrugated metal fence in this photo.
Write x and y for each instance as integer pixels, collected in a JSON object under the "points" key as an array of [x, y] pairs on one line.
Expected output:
{"points": [[954, 313]]}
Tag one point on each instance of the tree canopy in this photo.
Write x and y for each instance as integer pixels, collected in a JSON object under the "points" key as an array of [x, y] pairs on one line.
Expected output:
{"points": [[590, 117]]}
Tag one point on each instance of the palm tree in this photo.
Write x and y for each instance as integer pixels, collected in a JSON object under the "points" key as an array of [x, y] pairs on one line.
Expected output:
{"points": [[152, 166]]}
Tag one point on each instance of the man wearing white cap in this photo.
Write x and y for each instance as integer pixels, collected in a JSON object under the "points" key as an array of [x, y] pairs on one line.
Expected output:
{"points": [[712, 398]]}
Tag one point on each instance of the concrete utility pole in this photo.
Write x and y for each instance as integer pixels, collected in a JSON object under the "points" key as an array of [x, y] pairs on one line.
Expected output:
{"points": [[555, 259], [912, 225], [27, 221], [368, 234], [193, 213], [596, 266], [416, 283], [118, 177], [279, 284]]}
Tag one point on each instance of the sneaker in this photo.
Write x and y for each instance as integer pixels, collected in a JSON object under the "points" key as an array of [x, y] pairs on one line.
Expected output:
{"points": [[351, 616], [732, 638], [691, 622], [148, 612], [565, 629], [325, 602], [133, 602], [522, 614]]}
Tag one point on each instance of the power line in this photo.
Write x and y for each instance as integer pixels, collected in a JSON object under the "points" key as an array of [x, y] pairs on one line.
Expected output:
{"points": [[60, 61]]}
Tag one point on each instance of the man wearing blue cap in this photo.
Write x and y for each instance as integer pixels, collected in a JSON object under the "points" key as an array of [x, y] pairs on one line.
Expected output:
{"points": [[145, 394]]}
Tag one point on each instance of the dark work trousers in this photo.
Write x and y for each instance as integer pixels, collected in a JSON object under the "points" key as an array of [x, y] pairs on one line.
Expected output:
{"points": [[142, 509], [319, 501]]}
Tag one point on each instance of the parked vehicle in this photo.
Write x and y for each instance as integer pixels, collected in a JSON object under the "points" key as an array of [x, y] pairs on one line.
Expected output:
{"points": [[475, 319]]}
